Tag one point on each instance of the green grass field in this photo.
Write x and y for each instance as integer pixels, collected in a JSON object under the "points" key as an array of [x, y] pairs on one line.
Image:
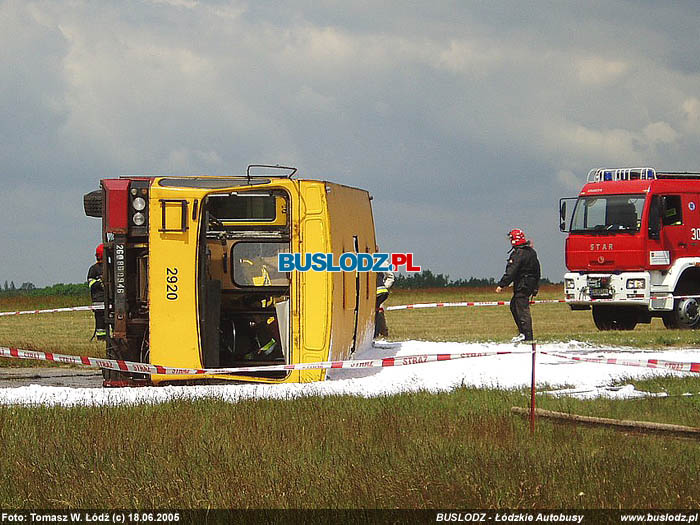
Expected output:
{"points": [[551, 322], [458, 450], [67, 333], [70, 332]]}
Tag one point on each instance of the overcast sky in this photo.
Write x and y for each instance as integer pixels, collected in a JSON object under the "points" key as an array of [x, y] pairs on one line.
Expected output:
{"points": [[463, 119]]}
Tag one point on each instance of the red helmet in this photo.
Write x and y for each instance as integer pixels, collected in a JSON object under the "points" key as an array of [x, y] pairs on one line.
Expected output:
{"points": [[517, 237], [99, 251]]}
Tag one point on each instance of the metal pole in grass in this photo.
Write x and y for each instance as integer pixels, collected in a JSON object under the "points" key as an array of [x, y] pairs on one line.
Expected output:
{"points": [[532, 390]]}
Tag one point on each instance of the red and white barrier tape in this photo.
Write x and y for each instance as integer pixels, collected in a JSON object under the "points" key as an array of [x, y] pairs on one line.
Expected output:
{"points": [[676, 366], [415, 306], [55, 310], [400, 307], [675, 297], [146, 368], [631, 300], [506, 303], [466, 303]]}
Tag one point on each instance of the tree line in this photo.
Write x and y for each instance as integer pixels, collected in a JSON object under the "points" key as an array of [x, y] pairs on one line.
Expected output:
{"points": [[29, 289]]}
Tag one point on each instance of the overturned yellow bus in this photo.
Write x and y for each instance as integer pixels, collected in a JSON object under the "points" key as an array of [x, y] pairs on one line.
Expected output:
{"points": [[191, 281]]}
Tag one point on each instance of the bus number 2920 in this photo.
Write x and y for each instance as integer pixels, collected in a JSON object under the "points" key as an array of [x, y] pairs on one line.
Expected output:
{"points": [[171, 284]]}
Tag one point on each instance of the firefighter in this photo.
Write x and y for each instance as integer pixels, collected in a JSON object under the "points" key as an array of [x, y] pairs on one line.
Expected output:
{"points": [[97, 293], [523, 270], [256, 272], [263, 343], [263, 332], [384, 282]]}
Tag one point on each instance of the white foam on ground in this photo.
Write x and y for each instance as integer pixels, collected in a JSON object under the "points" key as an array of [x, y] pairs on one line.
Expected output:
{"points": [[578, 379]]}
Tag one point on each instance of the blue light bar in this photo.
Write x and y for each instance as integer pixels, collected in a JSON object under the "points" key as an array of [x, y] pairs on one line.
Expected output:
{"points": [[620, 174]]}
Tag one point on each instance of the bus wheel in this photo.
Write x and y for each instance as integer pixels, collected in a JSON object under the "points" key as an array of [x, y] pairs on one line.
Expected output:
{"points": [[685, 315], [92, 203], [607, 318]]}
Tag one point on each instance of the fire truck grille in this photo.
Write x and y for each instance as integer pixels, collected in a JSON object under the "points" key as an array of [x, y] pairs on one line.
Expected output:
{"points": [[599, 287]]}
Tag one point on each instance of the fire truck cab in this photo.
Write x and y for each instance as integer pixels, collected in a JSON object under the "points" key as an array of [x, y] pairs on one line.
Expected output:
{"points": [[633, 247], [191, 276]]}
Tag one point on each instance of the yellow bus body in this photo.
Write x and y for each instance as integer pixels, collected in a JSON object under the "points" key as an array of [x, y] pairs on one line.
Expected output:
{"points": [[331, 314]]}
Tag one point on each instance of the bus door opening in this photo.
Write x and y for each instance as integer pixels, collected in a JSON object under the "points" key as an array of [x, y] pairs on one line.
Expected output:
{"points": [[244, 297]]}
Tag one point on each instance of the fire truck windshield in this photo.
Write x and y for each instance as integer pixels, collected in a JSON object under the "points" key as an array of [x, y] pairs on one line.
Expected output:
{"points": [[608, 213]]}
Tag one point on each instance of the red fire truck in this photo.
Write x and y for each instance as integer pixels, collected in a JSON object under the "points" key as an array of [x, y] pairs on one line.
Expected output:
{"points": [[633, 249]]}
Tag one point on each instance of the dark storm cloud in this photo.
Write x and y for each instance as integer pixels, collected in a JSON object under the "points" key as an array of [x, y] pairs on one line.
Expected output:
{"points": [[462, 118]]}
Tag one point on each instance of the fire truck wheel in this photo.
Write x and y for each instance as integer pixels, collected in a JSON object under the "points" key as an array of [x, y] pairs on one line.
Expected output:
{"points": [[685, 315], [606, 318], [602, 319]]}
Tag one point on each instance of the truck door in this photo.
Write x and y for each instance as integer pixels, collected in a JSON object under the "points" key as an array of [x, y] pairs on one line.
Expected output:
{"points": [[675, 235], [693, 223]]}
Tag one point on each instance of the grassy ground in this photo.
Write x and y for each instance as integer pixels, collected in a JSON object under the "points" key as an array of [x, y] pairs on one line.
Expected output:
{"points": [[69, 333], [551, 322], [66, 333], [458, 450]]}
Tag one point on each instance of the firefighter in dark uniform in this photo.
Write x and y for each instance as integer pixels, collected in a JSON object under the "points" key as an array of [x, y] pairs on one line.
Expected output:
{"points": [[523, 270], [97, 293], [384, 282]]}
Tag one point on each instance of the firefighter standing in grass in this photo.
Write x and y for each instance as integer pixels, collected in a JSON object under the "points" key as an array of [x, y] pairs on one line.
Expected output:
{"points": [[384, 281], [523, 270], [97, 293]]}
